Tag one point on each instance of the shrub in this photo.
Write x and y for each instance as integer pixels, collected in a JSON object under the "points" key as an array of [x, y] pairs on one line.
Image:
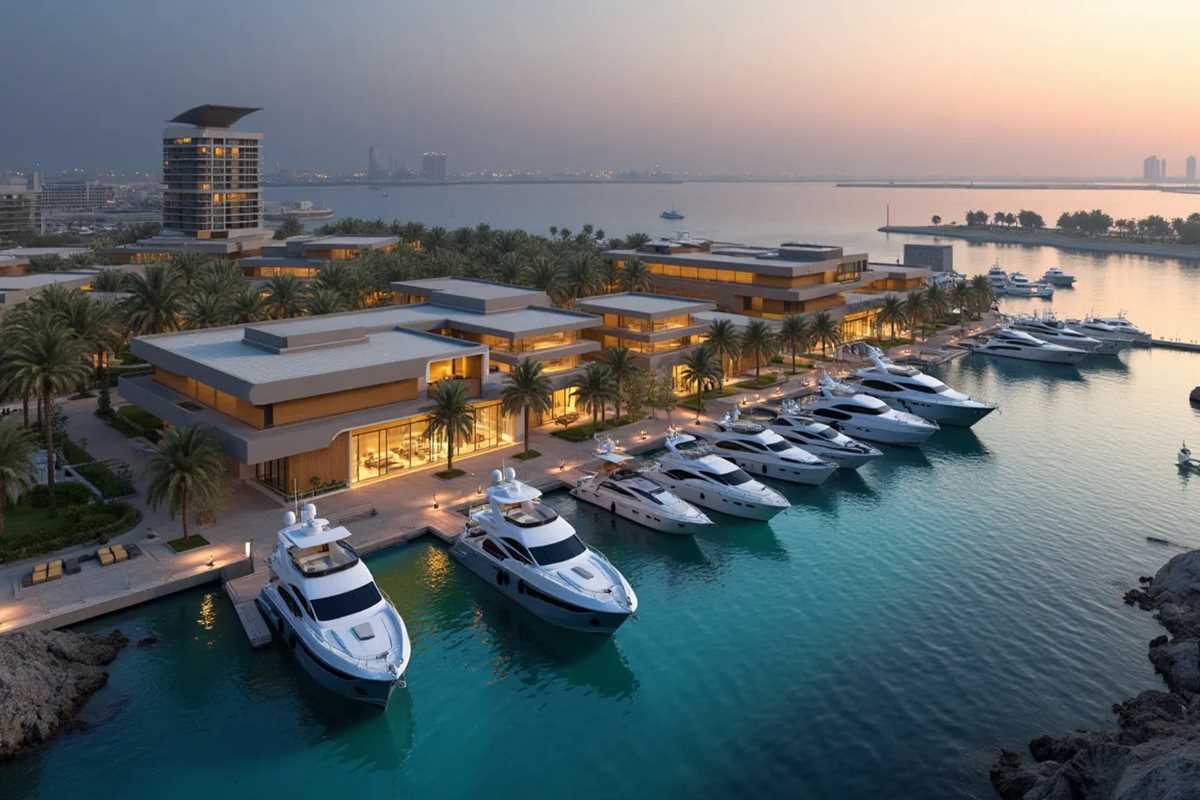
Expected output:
{"points": [[73, 453], [108, 482], [81, 524], [65, 493], [581, 433]]}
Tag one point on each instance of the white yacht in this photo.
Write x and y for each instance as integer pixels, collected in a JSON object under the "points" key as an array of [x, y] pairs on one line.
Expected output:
{"points": [[865, 417], [533, 557], [759, 450], [630, 494], [805, 431], [1053, 331], [997, 278], [914, 391], [1056, 277], [1020, 286], [1126, 327], [691, 470], [323, 603], [1103, 331], [1009, 343]]}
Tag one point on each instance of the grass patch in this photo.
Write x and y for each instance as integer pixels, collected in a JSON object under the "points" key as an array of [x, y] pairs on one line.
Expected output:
{"points": [[184, 543], [581, 433], [73, 453], [761, 382], [133, 422], [523, 456], [450, 474], [141, 417], [32, 528], [109, 483]]}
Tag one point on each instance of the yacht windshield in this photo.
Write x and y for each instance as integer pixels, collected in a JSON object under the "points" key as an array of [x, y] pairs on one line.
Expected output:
{"points": [[529, 515], [562, 550], [830, 434], [323, 559], [654, 495], [735, 478], [347, 603], [779, 446]]}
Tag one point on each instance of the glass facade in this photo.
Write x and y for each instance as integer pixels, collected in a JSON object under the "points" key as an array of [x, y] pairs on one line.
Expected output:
{"points": [[213, 185], [407, 445]]}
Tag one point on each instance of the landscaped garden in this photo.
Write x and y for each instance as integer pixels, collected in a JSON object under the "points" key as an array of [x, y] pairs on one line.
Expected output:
{"points": [[31, 527]]}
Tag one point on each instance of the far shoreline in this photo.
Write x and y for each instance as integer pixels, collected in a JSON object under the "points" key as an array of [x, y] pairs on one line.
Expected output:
{"points": [[1048, 238]]}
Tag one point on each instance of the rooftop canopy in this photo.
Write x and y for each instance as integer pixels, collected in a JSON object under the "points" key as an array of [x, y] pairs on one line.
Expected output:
{"points": [[210, 116]]}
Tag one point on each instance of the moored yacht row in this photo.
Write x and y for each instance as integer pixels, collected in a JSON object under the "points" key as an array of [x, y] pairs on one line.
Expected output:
{"points": [[1046, 339]]}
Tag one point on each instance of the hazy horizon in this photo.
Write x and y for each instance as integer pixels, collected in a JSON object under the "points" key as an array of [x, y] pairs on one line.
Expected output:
{"points": [[1066, 89]]}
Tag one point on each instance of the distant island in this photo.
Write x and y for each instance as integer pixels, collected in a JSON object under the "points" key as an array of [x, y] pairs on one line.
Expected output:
{"points": [[1114, 185], [1051, 238]]}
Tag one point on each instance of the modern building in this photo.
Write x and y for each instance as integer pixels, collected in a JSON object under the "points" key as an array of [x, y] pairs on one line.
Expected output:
{"points": [[75, 196], [660, 330], [936, 257], [212, 202], [344, 399], [19, 288], [303, 256], [375, 172], [773, 282], [433, 167], [17, 206], [1154, 168], [1191, 168]]}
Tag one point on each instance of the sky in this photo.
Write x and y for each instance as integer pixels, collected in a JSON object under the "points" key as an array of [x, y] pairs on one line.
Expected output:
{"points": [[863, 89]]}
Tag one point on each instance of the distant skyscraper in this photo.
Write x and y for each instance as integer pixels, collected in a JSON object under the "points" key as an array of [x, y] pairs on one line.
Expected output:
{"points": [[212, 175], [374, 171], [433, 166], [1154, 168], [1191, 168]]}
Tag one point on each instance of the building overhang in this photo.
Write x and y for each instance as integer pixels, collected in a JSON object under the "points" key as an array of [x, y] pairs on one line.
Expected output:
{"points": [[550, 354]]}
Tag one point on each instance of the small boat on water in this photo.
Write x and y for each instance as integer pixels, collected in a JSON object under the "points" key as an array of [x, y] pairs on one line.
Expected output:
{"points": [[672, 214], [1056, 277], [1020, 286], [1185, 461], [302, 209]]}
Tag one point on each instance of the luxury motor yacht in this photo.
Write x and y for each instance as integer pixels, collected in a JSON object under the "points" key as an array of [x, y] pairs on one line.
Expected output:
{"points": [[630, 494], [323, 603], [1056, 277], [692, 471], [1009, 343], [759, 450], [804, 430], [912, 390], [1101, 330], [1051, 330], [672, 214], [865, 417], [1020, 286], [533, 557], [996, 277], [1126, 327]]}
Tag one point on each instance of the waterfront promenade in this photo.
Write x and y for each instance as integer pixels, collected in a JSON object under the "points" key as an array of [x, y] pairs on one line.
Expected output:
{"points": [[1050, 238]]}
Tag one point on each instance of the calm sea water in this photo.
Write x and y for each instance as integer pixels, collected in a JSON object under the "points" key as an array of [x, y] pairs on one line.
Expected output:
{"points": [[1162, 294], [877, 640]]}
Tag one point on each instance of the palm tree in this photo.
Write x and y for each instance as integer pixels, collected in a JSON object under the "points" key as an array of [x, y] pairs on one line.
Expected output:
{"points": [[701, 368], [826, 332], [248, 305], [526, 389], [981, 293], [543, 273], [451, 416], [285, 296], [205, 309], [187, 266], [960, 298], [916, 310], [593, 390], [323, 300], [47, 360], [581, 277], [186, 471], [94, 323], [796, 331], [726, 342], [935, 299], [759, 341], [17, 473], [109, 280], [155, 302], [636, 277], [621, 367]]}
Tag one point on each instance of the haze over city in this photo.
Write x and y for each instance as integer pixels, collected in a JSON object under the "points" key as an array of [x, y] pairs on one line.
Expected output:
{"points": [[1020, 90]]}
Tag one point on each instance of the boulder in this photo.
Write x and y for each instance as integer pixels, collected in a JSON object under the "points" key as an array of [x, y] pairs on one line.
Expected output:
{"points": [[44, 679]]}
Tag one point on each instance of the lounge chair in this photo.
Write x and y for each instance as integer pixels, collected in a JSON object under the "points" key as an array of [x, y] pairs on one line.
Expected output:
{"points": [[55, 571], [105, 555], [39, 572], [119, 552]]}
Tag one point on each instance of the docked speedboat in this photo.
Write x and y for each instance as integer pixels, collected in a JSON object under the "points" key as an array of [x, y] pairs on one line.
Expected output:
{"points": [[807, 432], [914, 391], [322, 601], [533, 557], [997, 278], [1054, 331], [691, 470], [759, 450], [1020, 286], [1056, 277], [865, 417], [1009, 343], [630, 494], [1123, 325]]}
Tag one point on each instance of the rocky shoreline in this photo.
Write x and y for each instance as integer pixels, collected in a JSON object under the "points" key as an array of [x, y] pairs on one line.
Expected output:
{"points": [[1155, 752], [45, 678]]}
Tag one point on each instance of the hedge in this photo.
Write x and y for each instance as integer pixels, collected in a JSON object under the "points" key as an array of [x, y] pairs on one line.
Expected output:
{"points": [[91, 523], [108, 482]]}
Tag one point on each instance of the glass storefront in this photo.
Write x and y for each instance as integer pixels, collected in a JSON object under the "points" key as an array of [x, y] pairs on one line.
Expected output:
{"points": [[407, 445]]}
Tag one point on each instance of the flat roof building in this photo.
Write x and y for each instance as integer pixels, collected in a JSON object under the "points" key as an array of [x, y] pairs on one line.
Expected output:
{"points": [[17, 205], [303, 256]]}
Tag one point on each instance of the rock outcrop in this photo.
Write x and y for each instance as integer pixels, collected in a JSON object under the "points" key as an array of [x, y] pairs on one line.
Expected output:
{"points": [[1155, 752], [44, 679]]}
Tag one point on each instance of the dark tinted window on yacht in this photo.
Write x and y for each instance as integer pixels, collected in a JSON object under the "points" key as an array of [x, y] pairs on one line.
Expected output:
{"points": [[829, 413], [347, 603], [781, 421], [880, 386], [493, 550], [289, 601], [681, 475], [779, 446], [916, 387], [558, 551], [735, 478], [518, 550], [300, 601], [731, 446], [860, 410], [649, 495], [612, 487]]}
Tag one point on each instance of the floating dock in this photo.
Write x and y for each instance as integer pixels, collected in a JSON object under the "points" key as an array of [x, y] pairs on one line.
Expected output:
{"points": [[257, 630], [1169, 344]]}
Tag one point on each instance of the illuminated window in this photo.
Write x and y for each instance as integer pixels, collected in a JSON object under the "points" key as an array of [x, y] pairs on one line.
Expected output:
{"points": [[216, 199], [219, 151]]}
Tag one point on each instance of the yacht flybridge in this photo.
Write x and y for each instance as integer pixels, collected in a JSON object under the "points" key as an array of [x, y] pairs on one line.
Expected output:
{"points": [[912, 390], [1009, 343], [323, 603], [628, 493], [802, 429], [533, 557], [761, 451], [864, 417], [693, 471], [1054, 331]]}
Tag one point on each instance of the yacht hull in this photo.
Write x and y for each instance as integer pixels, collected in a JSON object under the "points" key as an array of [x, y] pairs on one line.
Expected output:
{"points": [[641, 517], [806, 475], [904, 438], [373, 692], [941, 413], [716, 502], [1068, 357], [511, 586]]}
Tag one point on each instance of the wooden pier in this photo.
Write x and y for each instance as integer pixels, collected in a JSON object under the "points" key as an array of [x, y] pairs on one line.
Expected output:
{"points": [[1171, 344]]}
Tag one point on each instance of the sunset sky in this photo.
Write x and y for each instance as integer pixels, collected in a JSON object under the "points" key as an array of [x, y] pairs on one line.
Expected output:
{"points": [[872, 88]]}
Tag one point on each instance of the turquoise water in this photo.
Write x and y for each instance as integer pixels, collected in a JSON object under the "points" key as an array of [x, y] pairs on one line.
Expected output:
{"points": [[877, 640]]}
